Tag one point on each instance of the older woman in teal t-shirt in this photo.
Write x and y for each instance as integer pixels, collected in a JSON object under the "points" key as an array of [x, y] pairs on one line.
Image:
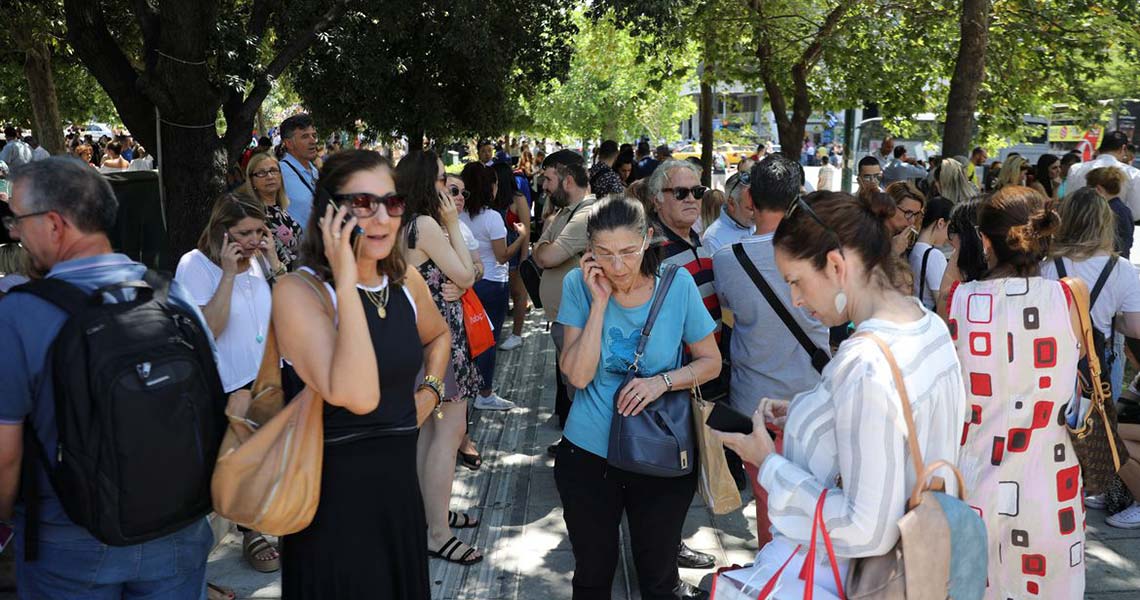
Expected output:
{"points": [[605, 304]]}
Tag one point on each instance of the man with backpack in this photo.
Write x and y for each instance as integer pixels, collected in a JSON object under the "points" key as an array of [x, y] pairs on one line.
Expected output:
{"points": [[112, 410]]}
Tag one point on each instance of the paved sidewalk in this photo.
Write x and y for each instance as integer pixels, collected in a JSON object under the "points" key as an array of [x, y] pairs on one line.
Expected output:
{"points": [[523, 534]]}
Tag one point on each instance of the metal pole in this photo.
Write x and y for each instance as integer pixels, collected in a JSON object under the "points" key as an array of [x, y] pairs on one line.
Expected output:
{"points": [[848, 148]]}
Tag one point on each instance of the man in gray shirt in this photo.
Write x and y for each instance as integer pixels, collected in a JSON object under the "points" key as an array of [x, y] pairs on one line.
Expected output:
{"points": [[767, 360]]}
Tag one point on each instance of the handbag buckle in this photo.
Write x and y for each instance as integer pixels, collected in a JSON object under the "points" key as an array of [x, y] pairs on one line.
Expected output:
{"points": [[684, 459]]}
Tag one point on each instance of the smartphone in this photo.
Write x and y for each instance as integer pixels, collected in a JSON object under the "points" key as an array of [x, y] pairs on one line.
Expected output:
{"points": [[5, 187], [356, 231], [729, 420]]}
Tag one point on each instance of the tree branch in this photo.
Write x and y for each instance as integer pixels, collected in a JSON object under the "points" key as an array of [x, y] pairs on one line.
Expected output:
{"points": [[148, 24], [259, 18]]}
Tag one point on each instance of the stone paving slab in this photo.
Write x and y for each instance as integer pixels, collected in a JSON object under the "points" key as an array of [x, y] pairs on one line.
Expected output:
{"points": [[523, 534]]}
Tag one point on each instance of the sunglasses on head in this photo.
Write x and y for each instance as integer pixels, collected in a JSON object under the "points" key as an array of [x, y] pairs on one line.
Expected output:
{"points": [[798, 204], [363, 205], [456, 192], [743, 179], [682, 193]]}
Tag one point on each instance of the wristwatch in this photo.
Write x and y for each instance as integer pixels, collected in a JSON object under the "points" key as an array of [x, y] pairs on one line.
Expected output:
{"points": [[435, 384], [668, 381]]}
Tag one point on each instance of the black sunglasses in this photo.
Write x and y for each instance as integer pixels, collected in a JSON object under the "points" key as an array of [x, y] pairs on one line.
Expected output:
{"points": [[682, 193], [456, 192], [363, 205], [742, 179]]}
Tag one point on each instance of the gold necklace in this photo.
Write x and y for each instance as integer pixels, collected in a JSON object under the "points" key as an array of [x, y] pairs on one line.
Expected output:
{"points": [[379, 300]]}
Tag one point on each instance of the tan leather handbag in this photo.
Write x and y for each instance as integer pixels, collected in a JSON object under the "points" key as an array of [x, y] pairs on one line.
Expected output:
{"points": [[268, 474], [1099, 448]]}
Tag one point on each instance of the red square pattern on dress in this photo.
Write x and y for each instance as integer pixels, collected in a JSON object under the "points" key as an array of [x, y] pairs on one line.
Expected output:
{"points": [[980, 384], [1068, 483], [1045, 353], [1033, 564], [980, 343], [1031, 587], [1045, 383]]}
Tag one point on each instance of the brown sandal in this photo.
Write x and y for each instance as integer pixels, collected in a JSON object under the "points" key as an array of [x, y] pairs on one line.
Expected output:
{"points": [[254, 545]]}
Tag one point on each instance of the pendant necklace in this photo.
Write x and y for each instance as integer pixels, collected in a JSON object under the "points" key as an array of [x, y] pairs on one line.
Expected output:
{"points": [[379, 300], [247, 291]]}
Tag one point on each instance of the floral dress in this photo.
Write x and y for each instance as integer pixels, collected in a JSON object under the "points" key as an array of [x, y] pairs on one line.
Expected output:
{"points": [[286, 234], [462, 380], [1019, 360]]}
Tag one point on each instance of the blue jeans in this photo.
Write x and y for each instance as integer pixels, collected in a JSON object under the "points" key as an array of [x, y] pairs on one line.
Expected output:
{"points": [[169, 568], [493, 295]]}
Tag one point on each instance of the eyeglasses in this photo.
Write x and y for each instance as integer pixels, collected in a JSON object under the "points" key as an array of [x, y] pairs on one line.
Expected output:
{"points": [[682, 193], [800, 203], [265, 173], [624, 257], [456, 192], [363, 205], [871, 177], [911, 214], [10, 222]]}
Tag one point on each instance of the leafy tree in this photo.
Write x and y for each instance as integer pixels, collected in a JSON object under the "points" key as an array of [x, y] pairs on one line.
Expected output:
{"points": [[444, 69], [611, 90], [181, 63]]}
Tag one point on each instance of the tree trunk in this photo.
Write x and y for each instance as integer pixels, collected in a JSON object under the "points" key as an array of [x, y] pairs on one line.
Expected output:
{"points": [[192, 178], [41, 92], [416, 140], [969, 71], [706, 132]]}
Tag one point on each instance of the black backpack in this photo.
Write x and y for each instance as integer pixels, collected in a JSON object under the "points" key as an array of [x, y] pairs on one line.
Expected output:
{"points": [[140, 412]]}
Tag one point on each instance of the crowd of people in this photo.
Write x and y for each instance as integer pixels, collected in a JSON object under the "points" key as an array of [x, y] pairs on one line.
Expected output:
{"points": [[767, 297]]}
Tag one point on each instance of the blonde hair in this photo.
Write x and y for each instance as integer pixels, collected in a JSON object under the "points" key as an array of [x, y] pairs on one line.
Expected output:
{"points": [[953, 183], [250, 167], [1088, 226], [711, 204], [14, 259], [1109, 178], [1010, 172]]}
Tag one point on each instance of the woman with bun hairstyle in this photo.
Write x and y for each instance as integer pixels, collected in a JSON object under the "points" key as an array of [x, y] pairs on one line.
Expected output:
{"points": [[835, 252], [1018, 338]]}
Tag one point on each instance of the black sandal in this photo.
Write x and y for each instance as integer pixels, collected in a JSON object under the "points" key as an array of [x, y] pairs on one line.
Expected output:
{"points": [[461, 520], [448, 550], [471, 461]]}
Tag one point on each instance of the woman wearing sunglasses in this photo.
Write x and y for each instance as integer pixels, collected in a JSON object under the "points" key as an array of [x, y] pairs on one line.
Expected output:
{"points": [[263, 181], [359, 354], [844, 437], [437, 249]]}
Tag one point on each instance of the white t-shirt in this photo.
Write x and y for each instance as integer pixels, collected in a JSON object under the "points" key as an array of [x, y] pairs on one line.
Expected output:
{"points": [[487, 226], [935, 267], [468, 237], [1121, 293], [243, 340]]}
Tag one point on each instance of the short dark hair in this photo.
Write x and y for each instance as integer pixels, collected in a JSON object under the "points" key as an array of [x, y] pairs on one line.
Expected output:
{"points": [[642, 148], [867, 161], [116, 147], [264, 142], [616, 212], [775, 183], [562, 157], [70, 187], [664, 150], [608, 149], [900, 151], [482, 143], [1113, 141], [292, 124], [10, 132], [977, 150]]}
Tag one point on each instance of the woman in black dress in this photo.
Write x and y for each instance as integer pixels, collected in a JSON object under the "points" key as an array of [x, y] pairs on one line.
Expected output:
{"points": [[367, 537]]}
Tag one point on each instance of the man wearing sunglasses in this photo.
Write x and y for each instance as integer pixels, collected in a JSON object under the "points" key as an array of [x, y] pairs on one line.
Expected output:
{"points": [[563, 240], [870, 174], [676, 191]]}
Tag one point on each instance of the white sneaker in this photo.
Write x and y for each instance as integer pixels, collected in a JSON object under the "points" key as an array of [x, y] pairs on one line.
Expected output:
{"points": [[1095, 502], [513, 341], [493, 402], [1128, 518]]}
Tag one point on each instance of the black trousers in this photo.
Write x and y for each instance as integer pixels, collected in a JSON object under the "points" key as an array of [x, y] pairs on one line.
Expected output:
{"points": [[594, 496]]}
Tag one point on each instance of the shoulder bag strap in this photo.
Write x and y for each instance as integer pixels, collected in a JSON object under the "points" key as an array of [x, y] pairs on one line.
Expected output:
{"points": [[819, 358], [1060, 263], [269, 373], [922, 273], [299, 176], [904, 398], [670, 272], [1100, 281], [1096, 388]]}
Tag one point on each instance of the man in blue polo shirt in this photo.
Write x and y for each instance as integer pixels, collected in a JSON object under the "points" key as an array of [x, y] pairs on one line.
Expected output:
{"points": [[298, 173], [61, 211]]}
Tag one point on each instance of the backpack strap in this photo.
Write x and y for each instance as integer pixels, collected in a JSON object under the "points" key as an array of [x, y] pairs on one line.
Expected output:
{"points": [[819, 358], [1100, 281], [30, 490], [67, 297], [1060, 263], [922, 275]]}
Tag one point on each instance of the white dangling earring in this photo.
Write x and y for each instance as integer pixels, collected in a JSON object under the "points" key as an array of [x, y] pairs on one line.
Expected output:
{"points": [[840, 302]]}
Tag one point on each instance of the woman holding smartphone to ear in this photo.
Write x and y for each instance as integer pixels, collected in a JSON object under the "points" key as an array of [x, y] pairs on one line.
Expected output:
{"points": [[353, 343]]}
